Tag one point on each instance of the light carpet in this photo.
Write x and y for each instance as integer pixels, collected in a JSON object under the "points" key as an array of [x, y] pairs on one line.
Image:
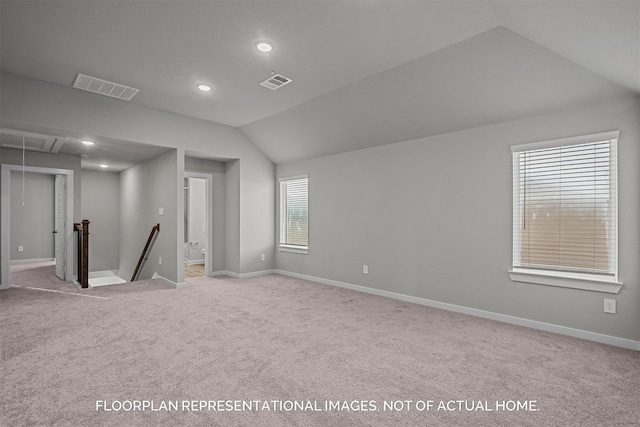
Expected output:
{"points": [[280, 339]]}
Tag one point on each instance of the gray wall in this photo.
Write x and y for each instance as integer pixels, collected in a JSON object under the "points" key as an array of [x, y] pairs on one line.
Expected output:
{"points": [[32, 224], [35, 105], [144, 189], [219, 222], [432, 219], [45, 160], [195, 164], [101, 205], [232, 219]]}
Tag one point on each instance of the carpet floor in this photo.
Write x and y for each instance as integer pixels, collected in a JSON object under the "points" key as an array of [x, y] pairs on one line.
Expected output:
{"points": [[279, 351]]}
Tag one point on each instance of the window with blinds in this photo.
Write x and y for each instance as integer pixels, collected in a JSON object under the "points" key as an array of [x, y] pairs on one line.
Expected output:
{"points": [[565, 205], [294, 213]]}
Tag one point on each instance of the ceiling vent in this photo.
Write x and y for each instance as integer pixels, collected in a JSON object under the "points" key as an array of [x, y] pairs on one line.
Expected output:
{"points": [[276, 81], [103, 87]]}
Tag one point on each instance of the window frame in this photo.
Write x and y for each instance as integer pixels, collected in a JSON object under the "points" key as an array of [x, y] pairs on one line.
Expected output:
{"points": [[283, 246], [607, 283]]}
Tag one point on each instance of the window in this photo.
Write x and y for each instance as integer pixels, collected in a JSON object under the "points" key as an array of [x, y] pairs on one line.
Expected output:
{"points": [[565, 212], [294, 214]]}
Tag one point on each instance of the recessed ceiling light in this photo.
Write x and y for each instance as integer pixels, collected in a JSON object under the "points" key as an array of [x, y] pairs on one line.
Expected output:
{"points": [[264, 46], [87, 142], [103, 166], [204, 88]]}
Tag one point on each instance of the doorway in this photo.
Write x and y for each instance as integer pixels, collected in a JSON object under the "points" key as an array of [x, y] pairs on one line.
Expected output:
{"points": [[198, 224], [63, 221]]}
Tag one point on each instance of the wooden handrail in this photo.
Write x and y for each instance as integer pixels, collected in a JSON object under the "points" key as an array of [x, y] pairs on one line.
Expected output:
{"points": [[144, 251]]}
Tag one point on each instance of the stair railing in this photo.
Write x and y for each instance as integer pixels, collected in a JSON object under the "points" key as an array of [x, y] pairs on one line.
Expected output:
{"points": [[154, 229]]}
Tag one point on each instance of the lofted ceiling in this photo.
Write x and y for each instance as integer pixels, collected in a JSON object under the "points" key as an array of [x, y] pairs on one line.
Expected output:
{"points": [[364, 73]]}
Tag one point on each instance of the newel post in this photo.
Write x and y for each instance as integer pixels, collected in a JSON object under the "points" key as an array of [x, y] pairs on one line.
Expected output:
{"points": [[84, 282]]}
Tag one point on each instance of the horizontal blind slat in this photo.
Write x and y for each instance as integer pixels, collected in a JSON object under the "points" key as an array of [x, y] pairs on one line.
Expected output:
{"points": [[294, 211], [564, 207]]}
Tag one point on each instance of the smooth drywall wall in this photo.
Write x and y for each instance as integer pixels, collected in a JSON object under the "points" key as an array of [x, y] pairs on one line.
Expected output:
{"points": [[219, 222], [32, 223], [145, 190], [39, 106], [196, 164], [101, 206], [432, 219], [1, 237], [232, 206], [44, 160], [47, 160]]}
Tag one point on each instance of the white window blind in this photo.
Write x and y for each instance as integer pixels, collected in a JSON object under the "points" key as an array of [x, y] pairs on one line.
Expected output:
{"points": [[565, 205], [294, 212]]}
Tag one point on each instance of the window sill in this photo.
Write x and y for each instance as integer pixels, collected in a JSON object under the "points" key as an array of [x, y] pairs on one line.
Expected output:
{"points": [[294, 249], [588, 282]]}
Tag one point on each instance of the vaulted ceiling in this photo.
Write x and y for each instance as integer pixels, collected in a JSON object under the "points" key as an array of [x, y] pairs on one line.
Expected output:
{"points": [[364, 73]]}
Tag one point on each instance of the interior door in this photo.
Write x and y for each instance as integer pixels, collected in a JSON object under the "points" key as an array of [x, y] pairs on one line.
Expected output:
{"points": [[59, 224]]}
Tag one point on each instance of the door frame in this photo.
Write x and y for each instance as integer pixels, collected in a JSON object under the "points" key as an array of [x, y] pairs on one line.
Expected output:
{"points": [[57, 238], [208, 255], [5, 218]]}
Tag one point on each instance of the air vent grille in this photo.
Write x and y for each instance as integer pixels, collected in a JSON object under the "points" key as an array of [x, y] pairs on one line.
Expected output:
{"points": [[276, 81], [103, 87]]}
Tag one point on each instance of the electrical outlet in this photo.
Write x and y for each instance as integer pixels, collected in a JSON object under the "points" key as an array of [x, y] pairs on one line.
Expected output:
{"points": [[262, 257], [365, 269], [160, 211], [20, 248], [159, 260], [609, 306]]}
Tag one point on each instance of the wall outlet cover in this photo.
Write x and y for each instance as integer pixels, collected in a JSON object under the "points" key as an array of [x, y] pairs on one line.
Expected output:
{"points": [[610, 306]]}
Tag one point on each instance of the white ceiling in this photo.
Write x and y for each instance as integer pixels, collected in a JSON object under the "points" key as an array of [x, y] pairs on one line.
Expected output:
{"points": [[364, 73], [118, 155]]}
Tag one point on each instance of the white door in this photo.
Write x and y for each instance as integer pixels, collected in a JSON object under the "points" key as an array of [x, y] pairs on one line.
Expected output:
{"points": [[59, 224]]}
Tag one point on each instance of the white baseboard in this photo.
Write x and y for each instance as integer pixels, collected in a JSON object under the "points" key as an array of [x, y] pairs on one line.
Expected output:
{"points": [[534, 324], [167, 282], [219, 273], [242, 275], [234, 275], [255, 274], [31, 261]]}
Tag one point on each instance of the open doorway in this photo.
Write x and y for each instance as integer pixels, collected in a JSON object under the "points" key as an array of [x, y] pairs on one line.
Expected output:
{"points": [[60, 239], [198, 227]]}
